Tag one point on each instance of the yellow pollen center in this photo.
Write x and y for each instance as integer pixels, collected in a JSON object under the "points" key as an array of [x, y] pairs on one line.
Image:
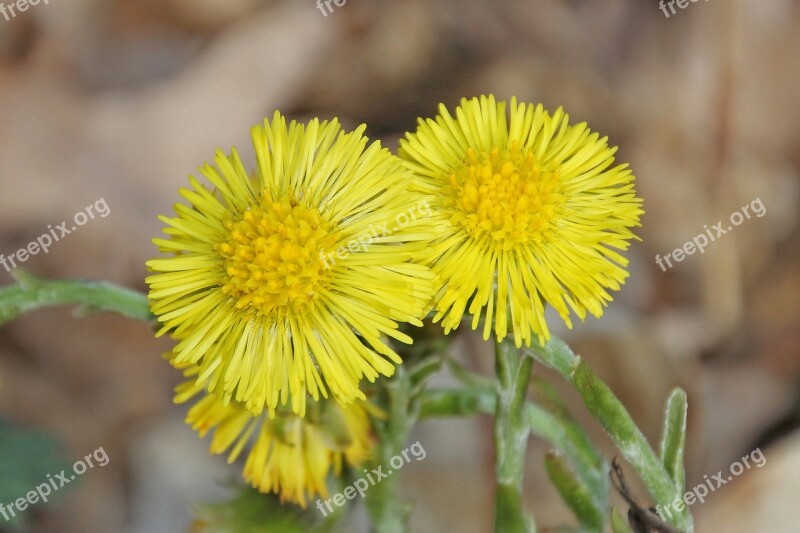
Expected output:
{"points": [[274, 255], [506, 196]]}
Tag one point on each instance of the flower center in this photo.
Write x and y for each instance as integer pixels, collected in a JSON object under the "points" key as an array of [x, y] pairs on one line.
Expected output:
{"points": [[275, 255], [506, 196]]}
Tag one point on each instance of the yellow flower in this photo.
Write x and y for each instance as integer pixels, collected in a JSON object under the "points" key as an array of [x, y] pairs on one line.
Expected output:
{"points": [[288, 455], [529, 210], [287, 284]]}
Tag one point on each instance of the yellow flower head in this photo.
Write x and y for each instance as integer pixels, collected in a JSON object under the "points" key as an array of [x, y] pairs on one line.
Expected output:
{"points": [[288, 455], [529, 211], [287, 283]]}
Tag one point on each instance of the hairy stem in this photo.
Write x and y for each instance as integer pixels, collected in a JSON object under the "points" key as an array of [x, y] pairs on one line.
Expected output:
{"points": [[388, 513], [32, 293], [511, 431]]}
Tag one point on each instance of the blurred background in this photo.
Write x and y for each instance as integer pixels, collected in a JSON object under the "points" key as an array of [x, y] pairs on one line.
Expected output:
{"points": [[120, 100]]}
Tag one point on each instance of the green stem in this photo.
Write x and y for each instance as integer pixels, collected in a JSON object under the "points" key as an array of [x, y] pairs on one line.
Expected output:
{"points": [[32, 293], [510, 437], [616, 420], [556, 428], [388, 513], [456, 402]]}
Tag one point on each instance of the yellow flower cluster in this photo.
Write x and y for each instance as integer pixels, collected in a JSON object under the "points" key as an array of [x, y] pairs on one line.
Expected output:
{"points": [[291, 455], [282, 287]]}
